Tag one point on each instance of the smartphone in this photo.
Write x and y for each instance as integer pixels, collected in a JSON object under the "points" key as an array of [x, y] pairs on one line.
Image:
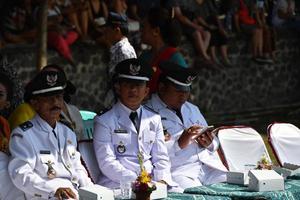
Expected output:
{"points": [[203, 130]]}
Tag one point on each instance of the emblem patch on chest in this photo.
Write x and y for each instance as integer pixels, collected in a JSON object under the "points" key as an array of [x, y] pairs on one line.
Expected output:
{"points": [[121, 148]]}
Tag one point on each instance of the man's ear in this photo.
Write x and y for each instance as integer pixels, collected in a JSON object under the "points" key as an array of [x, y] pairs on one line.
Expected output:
{"points": [[33, 103], [117, 88]]}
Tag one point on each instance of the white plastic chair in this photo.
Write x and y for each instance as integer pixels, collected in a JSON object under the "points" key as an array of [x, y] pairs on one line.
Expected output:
{"points": [[86, 149], [284, 139], [240, 146]]}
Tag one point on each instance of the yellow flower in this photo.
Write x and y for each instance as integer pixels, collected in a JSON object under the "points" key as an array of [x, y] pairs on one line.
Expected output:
{"points": [[144, 177]]}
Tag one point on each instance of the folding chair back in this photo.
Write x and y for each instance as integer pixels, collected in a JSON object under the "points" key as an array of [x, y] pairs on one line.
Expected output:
{"points": [[86, 115], [284, 139], [240, 146], [88, 157], [88, 123], [88, 126]]}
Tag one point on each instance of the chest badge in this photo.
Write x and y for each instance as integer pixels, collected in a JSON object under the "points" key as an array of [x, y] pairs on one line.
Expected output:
{"points": [[121, 148], [51, 173]]}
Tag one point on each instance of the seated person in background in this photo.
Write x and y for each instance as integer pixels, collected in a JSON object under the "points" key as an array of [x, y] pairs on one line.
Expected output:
{"points": [[97, 12], [45, 163], [163, 34], [118, 6], [268, 32], [16, 22], [127, 129], [200, 36], [7, 189], [208, 17], [284, 15], [76, 12], [60, 35], [245, 21], [194, 160]]}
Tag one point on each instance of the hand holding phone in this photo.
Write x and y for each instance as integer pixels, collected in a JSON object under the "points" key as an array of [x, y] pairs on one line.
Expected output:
{"points": [[203, 130]]}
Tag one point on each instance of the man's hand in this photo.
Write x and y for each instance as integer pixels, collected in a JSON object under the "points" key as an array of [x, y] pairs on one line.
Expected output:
{"points": [[187, 135], [64, 193], [205, 139]]}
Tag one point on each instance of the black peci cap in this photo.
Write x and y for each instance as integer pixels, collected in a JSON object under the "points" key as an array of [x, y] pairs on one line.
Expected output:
{"points": [[132, 69], [181, 77], [48, 83]]}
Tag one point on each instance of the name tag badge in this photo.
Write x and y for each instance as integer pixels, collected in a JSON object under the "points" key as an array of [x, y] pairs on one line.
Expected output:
{"points": [[121, 131], [45, 152]]}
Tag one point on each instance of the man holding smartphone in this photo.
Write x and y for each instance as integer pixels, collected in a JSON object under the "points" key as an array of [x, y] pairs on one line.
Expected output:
{"points": [[194, 160]]}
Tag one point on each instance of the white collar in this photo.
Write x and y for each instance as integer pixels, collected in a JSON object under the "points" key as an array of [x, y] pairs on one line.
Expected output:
{"points": [[128, 110]]}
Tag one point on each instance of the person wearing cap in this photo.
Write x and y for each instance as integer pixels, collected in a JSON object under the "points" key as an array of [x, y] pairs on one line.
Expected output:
{"points": [[45, 163], [116, 31], [129, 128], [194, 160], [70, 114]]}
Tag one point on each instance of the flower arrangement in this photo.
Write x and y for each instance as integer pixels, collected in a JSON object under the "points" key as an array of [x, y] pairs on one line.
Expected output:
{"points": [[143, 184], [264, 163]]}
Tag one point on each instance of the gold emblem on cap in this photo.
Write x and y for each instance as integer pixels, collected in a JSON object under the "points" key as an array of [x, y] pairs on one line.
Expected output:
{"points": [[51, 79], [134, 69]]}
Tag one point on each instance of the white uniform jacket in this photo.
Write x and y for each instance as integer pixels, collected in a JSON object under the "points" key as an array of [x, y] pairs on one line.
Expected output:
{"points": [[8, 190], [185, 161], [35, 149], [117, 143]]}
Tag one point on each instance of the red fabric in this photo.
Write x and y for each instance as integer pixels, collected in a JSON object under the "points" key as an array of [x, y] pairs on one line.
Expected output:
{"points": [[4, 135], [61, 43], [164, 55], [244, 16]]}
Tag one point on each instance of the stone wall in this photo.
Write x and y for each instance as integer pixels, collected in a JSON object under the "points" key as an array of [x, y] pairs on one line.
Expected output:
{"points": [[222, 94]]}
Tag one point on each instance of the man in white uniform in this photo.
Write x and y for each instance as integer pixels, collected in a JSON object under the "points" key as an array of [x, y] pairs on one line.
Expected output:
{"points": [[45, 163], [129, 128], [194, 160]]}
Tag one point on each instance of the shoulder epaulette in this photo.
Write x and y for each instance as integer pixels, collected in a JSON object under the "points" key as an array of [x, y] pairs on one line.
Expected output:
{"points": [[150, 109], [17, 135], [101, 112], [26, 126]]}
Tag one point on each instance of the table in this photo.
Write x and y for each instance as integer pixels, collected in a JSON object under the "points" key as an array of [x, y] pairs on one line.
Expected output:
{"points": [[231, 191], [226, 191]]}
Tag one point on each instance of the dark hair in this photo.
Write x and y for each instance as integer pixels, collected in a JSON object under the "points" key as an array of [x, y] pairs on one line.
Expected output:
{"points": [[8, 84], [123, 28], [169, 27]]}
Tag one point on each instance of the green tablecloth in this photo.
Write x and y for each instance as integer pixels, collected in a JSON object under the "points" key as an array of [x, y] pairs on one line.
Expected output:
{"points": [[179, 196], [291, 192]]}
